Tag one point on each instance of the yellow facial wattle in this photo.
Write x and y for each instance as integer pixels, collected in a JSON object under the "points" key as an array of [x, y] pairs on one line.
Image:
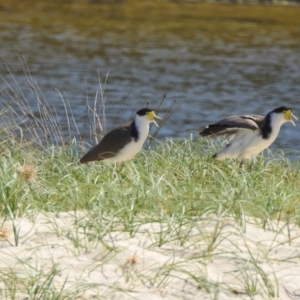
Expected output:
{"points": [[152, 116], [289, 115]]}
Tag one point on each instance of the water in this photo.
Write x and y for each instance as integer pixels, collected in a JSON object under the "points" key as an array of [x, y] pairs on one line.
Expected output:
{"points": [[220, 63]]}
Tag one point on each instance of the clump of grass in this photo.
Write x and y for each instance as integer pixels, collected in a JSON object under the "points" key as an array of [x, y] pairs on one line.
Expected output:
{"points": [[28, 172]]}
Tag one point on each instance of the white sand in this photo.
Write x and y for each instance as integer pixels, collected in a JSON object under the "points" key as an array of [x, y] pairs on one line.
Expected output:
{"points": [[236, 265]]}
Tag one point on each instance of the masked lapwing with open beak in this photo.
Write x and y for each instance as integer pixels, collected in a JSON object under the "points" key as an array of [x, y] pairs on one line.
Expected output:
{"points": [[124, 142], [248, 135]]}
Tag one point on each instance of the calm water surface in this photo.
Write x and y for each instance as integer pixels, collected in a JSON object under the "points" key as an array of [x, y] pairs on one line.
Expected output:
{"points": [[213, 64]]}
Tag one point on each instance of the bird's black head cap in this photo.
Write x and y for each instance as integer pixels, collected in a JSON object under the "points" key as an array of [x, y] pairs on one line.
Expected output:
{"points": [[281, 109], [143, 111]]}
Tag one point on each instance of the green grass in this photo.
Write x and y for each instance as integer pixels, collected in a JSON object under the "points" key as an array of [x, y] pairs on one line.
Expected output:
{"points": [[175, 179]]}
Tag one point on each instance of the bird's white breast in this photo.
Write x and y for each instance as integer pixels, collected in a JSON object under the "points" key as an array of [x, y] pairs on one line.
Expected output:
{"points": [[247, 143], [132, 148]]}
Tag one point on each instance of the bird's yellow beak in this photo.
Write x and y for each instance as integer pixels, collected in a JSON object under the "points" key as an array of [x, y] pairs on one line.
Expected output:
{"points": [[289, 115], [152, 116]]}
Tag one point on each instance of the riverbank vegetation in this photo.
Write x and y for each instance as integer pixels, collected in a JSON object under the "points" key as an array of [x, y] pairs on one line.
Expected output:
{"points": [[92, 19]]}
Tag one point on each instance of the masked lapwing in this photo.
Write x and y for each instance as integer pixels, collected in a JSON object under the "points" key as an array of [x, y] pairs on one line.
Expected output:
{"points": [[124, 142], [248, 135]]}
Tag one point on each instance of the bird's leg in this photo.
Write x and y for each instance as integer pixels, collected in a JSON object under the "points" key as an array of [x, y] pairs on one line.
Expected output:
{"points": [[118, 171], [252, 161], [250, 166], [241, 163]]}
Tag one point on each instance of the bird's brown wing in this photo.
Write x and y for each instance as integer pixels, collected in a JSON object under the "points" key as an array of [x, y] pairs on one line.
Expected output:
{"points": [[232, 124], [109, 146]]}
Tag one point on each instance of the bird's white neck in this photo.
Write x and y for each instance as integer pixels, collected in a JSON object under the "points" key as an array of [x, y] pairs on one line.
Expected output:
{"points": [[276, 122], [142, 126]]}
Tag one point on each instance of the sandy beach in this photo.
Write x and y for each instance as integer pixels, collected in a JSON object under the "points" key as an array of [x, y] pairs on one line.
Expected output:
{"points": [[219, 259]]}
